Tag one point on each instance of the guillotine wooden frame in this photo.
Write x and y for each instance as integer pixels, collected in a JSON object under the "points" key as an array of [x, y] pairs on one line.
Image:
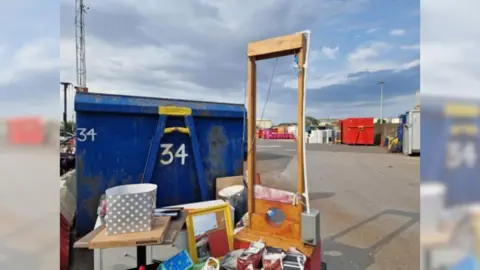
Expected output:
{"points": [[288, 234]]}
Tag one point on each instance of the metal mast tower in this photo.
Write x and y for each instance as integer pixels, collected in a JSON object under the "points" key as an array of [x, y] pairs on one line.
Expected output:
{"points": [[80, 10]]}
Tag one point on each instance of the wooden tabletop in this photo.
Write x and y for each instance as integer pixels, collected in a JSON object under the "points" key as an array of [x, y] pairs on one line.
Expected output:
{"points": [[435, 239], [169, 237]]}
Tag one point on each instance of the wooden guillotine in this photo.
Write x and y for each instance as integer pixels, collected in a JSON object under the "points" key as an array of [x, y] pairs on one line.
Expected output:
{"points": [[288, 233]]}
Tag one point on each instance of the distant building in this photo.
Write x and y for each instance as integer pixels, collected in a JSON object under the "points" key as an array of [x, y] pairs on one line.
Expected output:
{"points": [[264, 124], [389, 120], [327, 122]]}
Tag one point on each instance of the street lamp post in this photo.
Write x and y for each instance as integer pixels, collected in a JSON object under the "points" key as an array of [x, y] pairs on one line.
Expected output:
{"points": [[381, 100], [65, 88]]}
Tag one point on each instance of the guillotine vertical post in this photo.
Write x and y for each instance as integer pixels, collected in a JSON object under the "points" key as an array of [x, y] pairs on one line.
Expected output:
{"points": [[252, 127]]}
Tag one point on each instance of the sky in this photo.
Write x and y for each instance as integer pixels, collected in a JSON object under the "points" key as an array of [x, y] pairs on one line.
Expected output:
{"points": [[197, 50]]}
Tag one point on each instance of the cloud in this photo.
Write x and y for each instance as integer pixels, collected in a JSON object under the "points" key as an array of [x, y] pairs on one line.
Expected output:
{"points": [[371, 57], [367, 58], [392, 107], [193, 50], [372, 30], [450, 62], [330, 53], [414, 47], [408, 65], [370, 51], [196, 50], [26, 76], [31, 58], [397, 32]]}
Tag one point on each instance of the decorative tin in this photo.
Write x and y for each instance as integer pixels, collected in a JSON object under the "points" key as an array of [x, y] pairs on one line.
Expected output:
{"points": [[130, 208]]}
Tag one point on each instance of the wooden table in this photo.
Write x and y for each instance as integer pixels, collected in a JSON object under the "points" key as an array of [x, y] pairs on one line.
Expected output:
{"points": [[169, 237]]}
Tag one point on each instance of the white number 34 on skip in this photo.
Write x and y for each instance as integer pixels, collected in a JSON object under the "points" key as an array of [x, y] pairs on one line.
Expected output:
{"points": [[167, 156], [84, 134]]}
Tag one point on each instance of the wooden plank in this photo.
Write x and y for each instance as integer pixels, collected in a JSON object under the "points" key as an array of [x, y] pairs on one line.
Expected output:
{"points": [[436, 239], [248, 235], [168, 239], [289, 229], [275, 55], [252, 130], [176, 225], [198, 205], [279, 46], [153, 237], [83, 242]]}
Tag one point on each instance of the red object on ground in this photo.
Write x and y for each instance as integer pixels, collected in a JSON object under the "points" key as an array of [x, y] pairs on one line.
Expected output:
{"points": [[312, 263], [358, 131], [64, 243], [25, 131], [218, 243], [141, 268]]}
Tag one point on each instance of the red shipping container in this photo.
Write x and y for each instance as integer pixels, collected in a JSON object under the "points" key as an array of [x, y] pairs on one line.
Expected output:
{"points": [[64, 243], [25, 131], [358, 131]]}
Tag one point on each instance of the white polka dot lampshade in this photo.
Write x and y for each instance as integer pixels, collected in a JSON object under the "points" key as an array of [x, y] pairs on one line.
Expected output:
{"points": [[130, 208]]}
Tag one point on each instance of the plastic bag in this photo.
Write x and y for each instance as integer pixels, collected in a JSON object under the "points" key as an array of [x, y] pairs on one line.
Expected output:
{"points": [[209, 266], [251, 257]]}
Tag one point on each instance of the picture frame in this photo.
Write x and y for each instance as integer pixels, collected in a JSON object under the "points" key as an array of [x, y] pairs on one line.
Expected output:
{"points": [[225, 208]]}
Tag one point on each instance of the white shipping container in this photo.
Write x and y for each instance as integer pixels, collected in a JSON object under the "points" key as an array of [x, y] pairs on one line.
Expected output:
{"points": [[411, 133], [292, 129], [329, 136], [315, 136]]}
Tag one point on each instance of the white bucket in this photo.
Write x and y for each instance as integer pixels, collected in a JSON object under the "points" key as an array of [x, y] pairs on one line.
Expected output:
{"points": [[234, 195], [228, 192]]}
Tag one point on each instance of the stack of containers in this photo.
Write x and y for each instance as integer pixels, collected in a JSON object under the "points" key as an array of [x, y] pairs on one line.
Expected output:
{"points": [[267, 134], [318, 136], [313, 138], [340, 131], [292, 130], [329, 136], [260, 134], [282, 130]]}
